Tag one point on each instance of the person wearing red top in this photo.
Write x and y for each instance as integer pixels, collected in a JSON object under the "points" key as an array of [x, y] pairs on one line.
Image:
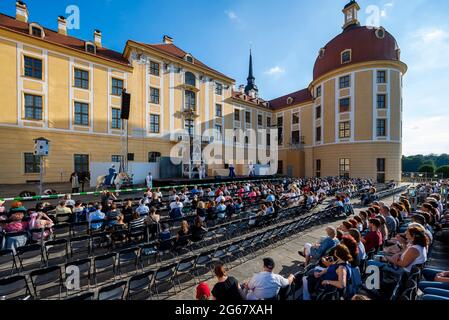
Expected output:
{"points": [[374, 239]]}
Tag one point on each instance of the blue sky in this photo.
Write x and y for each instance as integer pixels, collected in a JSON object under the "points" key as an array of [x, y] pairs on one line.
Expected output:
{"points": [[285, 36]]}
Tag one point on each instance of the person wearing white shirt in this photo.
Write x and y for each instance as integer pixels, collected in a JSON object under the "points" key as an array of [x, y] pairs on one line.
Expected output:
{"points": [[69, 201], [266, 285], [149, 180], [220, 197], [176, 204]]}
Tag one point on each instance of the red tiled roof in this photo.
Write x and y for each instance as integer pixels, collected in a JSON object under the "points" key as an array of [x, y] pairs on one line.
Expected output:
{"points": [[298, 97], [178, 53], [365, 47], [244, 98], [53, 37]]}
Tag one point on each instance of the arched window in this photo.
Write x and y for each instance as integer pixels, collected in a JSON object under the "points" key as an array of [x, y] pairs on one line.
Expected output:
{"points": [[190, 100], [91, 48], [190, 79], [154, 157]]}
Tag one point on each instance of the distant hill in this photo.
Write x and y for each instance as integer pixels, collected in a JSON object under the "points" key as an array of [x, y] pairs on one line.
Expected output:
{"points": [[414, 163]]}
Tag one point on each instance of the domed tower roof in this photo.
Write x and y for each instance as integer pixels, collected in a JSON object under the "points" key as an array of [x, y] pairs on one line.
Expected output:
{"points": [[355, 44], [365, 44]]}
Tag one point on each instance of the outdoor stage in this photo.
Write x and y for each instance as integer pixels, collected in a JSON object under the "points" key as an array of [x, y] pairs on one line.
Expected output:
{"points": [[208, 180]]}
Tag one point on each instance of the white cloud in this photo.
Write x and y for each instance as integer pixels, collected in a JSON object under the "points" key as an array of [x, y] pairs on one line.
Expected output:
{"points": [[426, 135], [231, 15], [277, 70], [428, 48]]}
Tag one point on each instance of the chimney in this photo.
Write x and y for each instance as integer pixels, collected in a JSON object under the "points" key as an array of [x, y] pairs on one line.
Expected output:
{"points": [[168, 40], [97, 37], [62, 25], [242, 88], [21, 11]]}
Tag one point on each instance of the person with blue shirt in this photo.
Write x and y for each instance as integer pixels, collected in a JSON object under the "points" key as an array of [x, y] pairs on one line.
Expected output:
{"points": [[194, 191], [94, 216], [271, 197], [221, 209], [318, 250], [165, 234]]}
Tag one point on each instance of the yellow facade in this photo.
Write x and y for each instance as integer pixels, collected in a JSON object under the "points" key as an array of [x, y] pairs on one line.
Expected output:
{"points": [[99, 140]]}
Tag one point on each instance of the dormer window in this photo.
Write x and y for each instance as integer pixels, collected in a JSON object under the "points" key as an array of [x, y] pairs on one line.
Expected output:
{"points": [[91, 48], [346, 56], [189, 58], [289, 100], [36, 30], [380, 33]]}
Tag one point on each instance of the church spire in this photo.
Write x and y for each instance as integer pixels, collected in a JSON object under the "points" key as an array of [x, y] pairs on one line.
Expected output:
{"points": [[251, 79]]}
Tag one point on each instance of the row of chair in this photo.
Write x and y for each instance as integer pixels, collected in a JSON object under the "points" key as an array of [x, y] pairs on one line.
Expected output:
{"points": [[138, 256]]}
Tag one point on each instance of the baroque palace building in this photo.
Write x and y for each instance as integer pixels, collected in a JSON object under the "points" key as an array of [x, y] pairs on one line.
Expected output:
{"points": [[348, 122]]}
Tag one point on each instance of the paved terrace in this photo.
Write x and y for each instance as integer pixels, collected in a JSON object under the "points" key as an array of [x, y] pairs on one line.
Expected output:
{"points": [[284, 254]]}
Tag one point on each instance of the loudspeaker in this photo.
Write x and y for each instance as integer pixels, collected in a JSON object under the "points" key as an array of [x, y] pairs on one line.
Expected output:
{"points": [[126, 105]]}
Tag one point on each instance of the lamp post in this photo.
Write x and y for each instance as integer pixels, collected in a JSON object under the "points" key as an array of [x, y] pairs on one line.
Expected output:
{"points": [[41, 150], [190, 115]]}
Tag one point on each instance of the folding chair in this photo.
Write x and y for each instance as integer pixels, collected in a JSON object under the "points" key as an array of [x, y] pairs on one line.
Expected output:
{"points": [[137, 234], [204, 260], [45, 279], [79, 245], [15, 288], [100, 240], [219, 254], [147, 253], [104, 264], [233, 252], [165, 247], [164, 275], [184, 267], [88, 296], [79, 229], [55, 249], [63, 218], [114, 291], [81, 268], [8, 262], [128, 257], [29, 255], [61, 231], [140, 284]]}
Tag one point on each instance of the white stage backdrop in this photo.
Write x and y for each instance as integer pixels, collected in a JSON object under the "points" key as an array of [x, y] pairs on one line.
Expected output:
{"points": [[139, 170]]}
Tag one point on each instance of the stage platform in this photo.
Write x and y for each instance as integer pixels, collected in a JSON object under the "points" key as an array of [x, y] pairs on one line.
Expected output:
{"points": [[207, 181]]}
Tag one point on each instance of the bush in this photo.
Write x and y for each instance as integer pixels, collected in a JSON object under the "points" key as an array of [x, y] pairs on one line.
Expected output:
{"points": [[444, 170], [427, 169]]}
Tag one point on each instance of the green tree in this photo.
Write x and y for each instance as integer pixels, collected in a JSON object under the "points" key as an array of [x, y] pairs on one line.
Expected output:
{"points": [[427, 168], [444, 170]]}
